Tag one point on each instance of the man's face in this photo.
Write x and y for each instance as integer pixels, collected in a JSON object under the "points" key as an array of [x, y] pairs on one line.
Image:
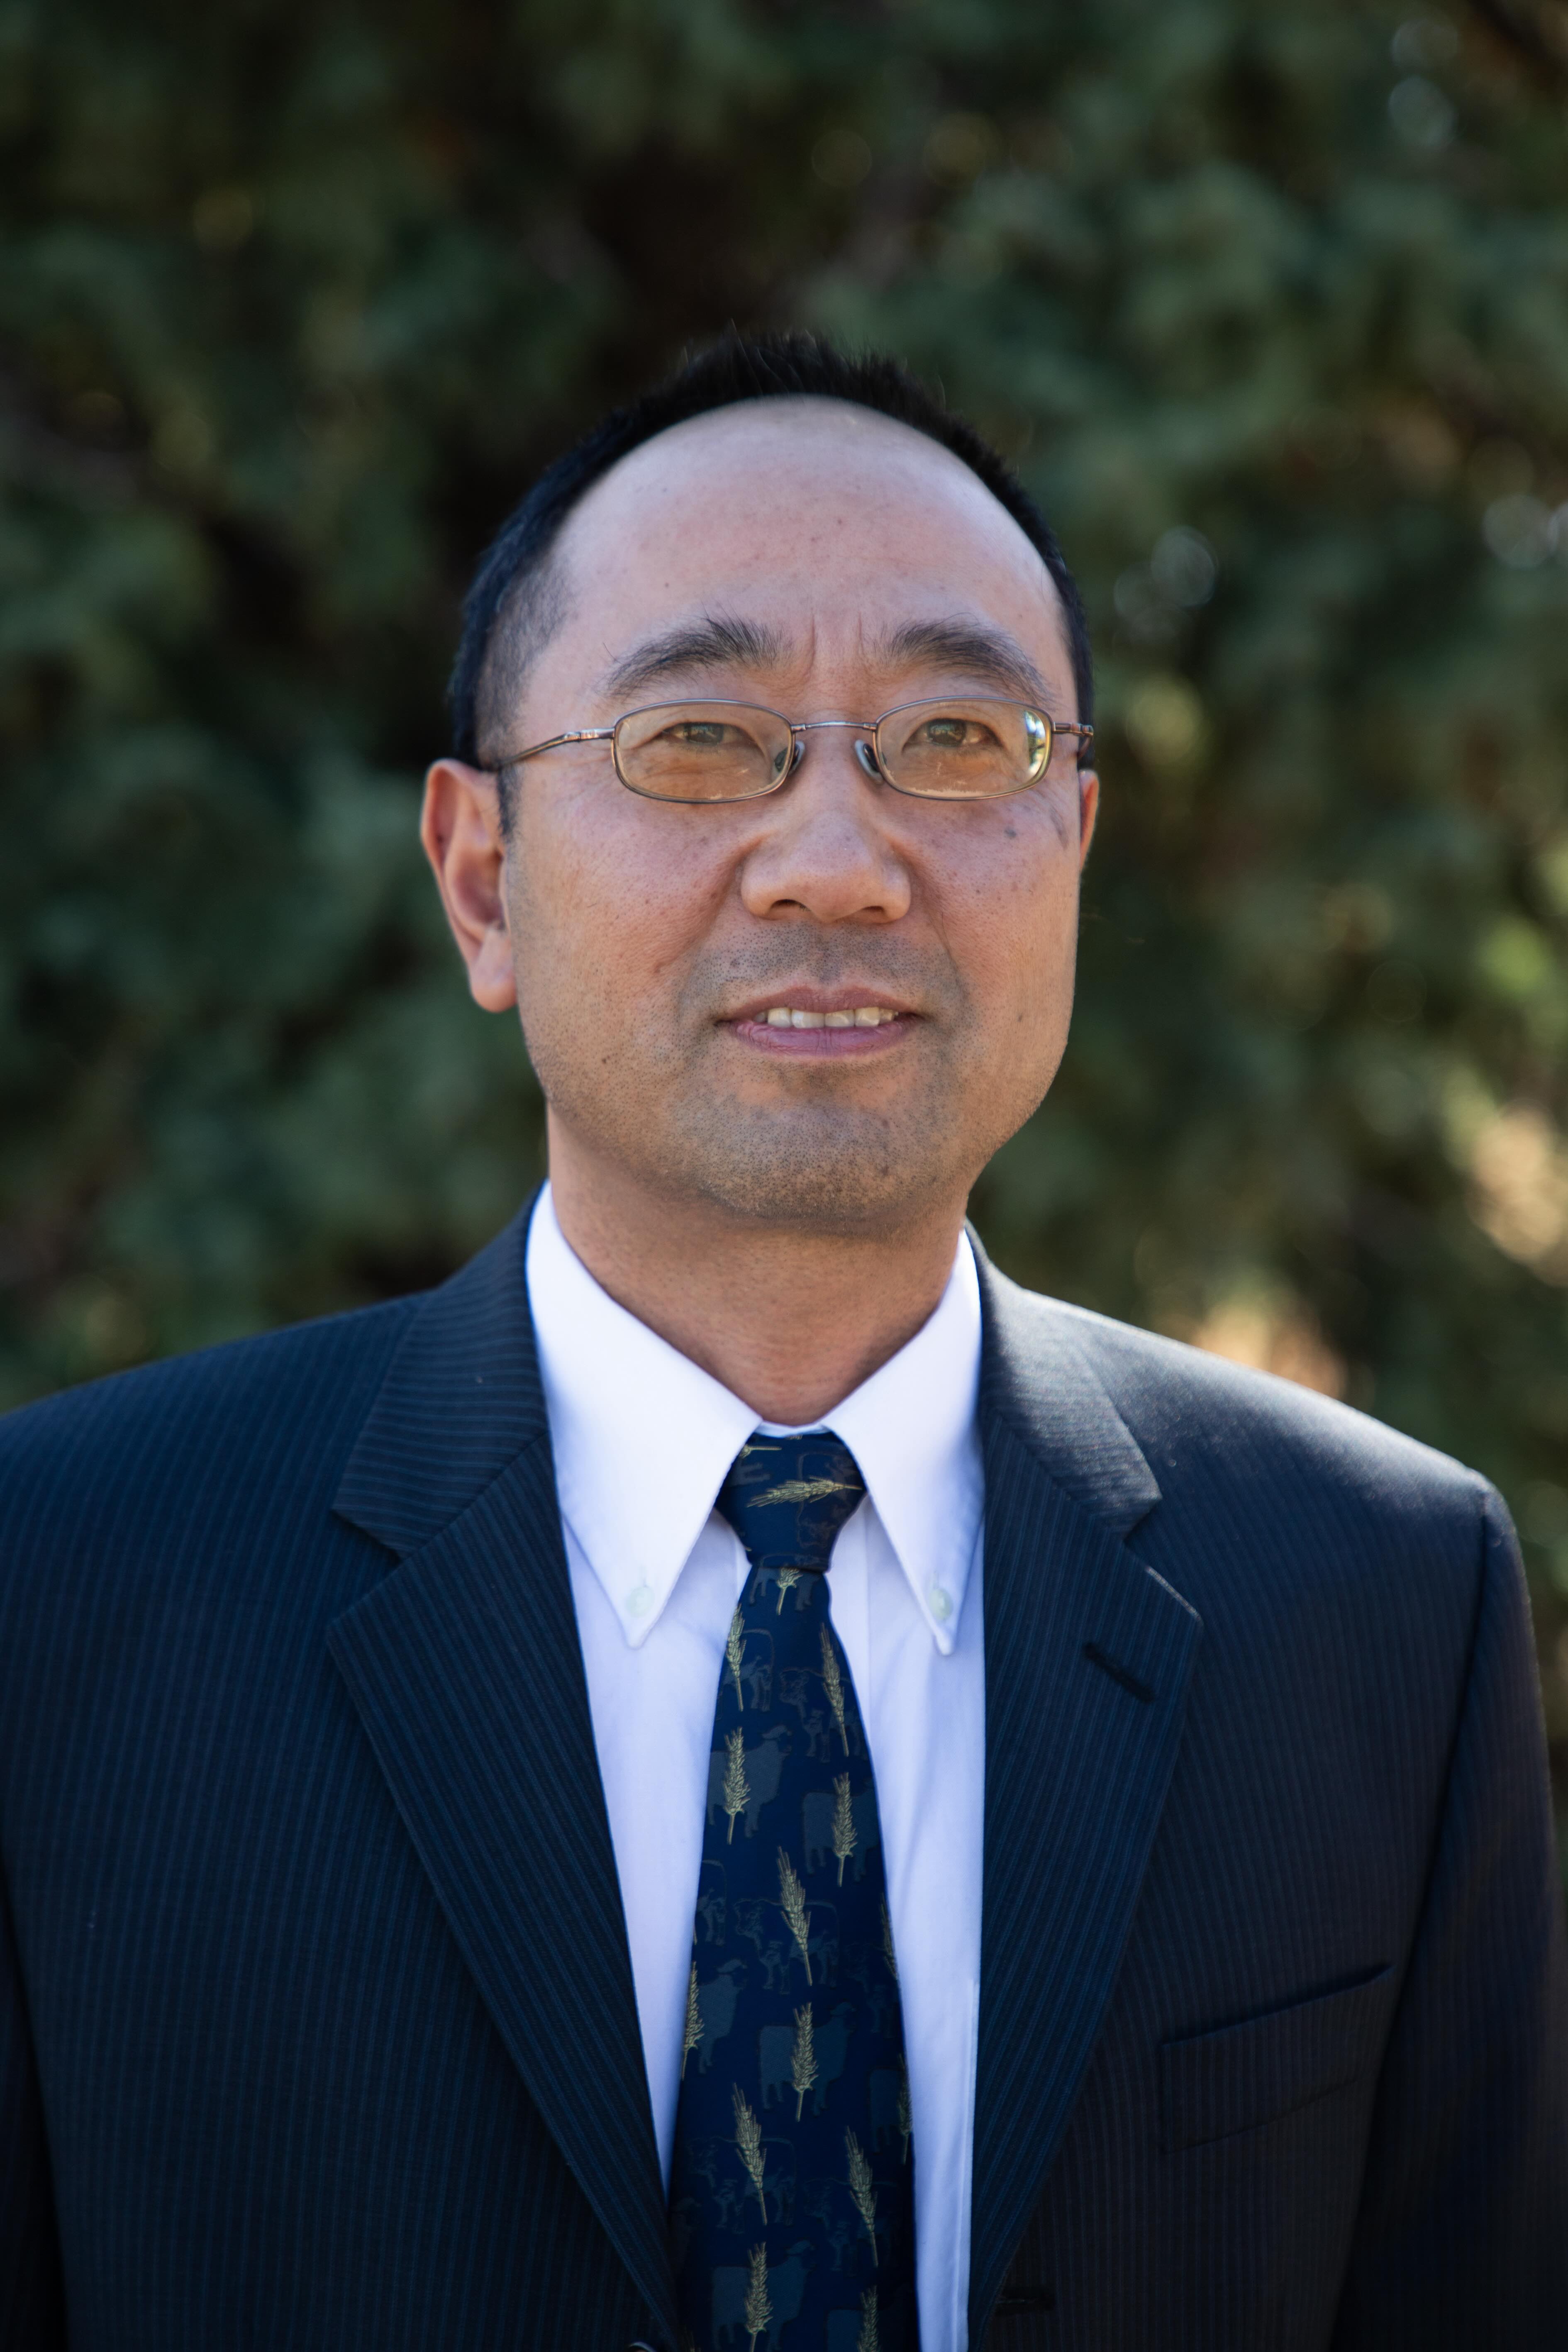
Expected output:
{"points": [[824, 562]]}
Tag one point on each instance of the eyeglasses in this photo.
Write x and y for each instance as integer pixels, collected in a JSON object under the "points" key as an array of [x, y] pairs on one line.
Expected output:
{"points": [[965, 748]]}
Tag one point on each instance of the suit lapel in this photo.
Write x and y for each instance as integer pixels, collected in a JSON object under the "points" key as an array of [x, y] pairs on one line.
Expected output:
{"points": [[465, 1669], [1087, 1658], [465, 1666]]}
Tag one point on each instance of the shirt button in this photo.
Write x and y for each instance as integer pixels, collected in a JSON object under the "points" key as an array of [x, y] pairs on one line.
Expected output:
{"points": [[940, 1604], [639, 1601]]}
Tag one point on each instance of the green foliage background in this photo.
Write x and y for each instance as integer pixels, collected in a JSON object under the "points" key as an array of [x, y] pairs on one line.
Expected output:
{"points": [[293, 298]]}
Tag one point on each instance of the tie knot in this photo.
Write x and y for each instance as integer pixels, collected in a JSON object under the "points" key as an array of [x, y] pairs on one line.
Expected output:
{"points": [[787, 1498]]}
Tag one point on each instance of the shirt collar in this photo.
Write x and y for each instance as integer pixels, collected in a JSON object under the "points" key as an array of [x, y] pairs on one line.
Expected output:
{"points": [[642, 1438]]}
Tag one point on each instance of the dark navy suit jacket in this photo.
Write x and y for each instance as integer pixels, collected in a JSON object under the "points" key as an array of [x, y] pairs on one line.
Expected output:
{"points": [[317, 2026]]}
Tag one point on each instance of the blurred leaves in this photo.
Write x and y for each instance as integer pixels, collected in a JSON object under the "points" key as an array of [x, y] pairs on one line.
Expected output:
{"points": [[1270, 303]]}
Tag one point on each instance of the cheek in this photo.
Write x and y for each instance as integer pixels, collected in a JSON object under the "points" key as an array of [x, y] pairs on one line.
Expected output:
{"points": [[606, 894], [1011, 919]]}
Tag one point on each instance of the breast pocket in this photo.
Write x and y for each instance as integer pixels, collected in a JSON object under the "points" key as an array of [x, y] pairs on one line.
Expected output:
{"points": [[1239, 2076]]}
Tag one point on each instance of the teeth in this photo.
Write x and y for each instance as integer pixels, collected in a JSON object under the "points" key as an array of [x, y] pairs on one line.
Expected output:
{"points": [[864, 1016]]}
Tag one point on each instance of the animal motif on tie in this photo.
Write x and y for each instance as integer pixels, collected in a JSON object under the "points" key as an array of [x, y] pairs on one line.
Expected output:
{"points": [[797, 2109]]}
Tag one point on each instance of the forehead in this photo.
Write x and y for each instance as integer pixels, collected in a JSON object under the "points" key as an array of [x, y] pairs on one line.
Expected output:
{"points": [[825, 519]]}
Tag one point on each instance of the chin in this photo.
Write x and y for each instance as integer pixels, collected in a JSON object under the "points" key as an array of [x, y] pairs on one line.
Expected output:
{"points": [[879, 1175]]}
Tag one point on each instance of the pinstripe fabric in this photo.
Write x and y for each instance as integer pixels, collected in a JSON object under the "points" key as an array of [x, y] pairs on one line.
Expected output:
{"points": [[456, 1665], [316, 2022], [1346, 1955], [1076, 1764]]}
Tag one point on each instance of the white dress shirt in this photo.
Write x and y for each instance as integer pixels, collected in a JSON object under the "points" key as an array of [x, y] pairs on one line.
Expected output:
{"points": [[643, 1439]]}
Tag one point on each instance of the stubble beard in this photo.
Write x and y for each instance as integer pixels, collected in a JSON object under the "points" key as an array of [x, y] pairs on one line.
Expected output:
{"points": [[815, 1166], [673, 1123], [669, 1110], [820, 1167]]}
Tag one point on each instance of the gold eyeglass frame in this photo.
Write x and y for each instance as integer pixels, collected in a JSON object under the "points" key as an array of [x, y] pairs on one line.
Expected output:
{"points": [[868, 752]]}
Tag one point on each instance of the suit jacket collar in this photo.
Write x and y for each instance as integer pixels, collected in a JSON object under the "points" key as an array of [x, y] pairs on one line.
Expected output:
{"points": [[1087, 1654], [460, 1401], [465, 1666], [1037, 1374]]}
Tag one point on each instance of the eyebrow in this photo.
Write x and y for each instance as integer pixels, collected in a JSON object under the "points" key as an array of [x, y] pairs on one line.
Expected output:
{"points": [[724, 642], [986, 653], [716, 642]]}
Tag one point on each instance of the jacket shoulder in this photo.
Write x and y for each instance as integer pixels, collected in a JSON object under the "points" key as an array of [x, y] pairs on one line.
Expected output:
{"points": [[1248, 1462], [1337, 1566], [232, 1416], [1188, 1407]]}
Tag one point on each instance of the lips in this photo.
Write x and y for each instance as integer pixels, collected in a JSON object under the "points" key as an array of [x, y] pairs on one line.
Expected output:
{"points": [[814, 1025]]}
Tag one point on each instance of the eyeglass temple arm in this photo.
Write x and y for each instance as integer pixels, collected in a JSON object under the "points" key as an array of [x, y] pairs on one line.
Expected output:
{"points": [[1075, 727], [573, 735]]}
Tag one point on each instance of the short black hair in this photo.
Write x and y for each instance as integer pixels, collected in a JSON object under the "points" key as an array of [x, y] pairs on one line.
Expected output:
{"points": [[738, 367]]}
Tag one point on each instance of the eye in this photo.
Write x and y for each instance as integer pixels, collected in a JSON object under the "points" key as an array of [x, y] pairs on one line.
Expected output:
{"points": [[963, 750], [702, 752], [951, 733], [700, 735]]}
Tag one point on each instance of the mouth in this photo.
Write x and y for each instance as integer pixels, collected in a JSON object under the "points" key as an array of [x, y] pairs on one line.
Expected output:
{"points": [[818, 1024]]}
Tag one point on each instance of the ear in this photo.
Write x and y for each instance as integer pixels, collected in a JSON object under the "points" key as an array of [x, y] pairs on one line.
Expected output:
{"points": [[1087, 811], [460, 829]]}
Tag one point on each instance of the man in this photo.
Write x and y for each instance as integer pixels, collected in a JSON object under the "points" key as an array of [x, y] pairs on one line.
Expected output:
{"points": [[729, 1778]]}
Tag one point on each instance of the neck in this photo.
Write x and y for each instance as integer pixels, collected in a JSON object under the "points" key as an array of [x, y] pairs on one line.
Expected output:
{"points": [[789, 1320]]}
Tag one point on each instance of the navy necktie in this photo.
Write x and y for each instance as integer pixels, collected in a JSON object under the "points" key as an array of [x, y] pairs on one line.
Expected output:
{"points": [[791, 2195]]}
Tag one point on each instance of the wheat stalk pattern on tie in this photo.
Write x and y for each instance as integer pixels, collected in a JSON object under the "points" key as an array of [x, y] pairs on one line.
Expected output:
{"points": [[737, 1787], [832, 1684], [844, 1838], [759, 2308], [803, 2059], [792, 1902], [735, 1655], [798, 2111], [749, 2140], [694, 2034], [861, 2189]]}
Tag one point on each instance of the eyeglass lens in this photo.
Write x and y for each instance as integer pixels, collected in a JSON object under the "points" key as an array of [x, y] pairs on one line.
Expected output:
{"points": [[703, 751], [964, 750], [968, 748]]}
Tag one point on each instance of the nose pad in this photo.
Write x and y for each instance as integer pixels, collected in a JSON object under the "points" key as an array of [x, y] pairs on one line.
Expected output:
{"points": [[866, 753]]}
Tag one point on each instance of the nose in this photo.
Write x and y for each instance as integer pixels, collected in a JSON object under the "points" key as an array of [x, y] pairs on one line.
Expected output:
{"points": [[823, 849]]}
